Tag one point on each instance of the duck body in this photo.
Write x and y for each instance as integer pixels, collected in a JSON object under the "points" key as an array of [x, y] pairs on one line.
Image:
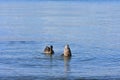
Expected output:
{"points": [[49, 50], [67, 51]]}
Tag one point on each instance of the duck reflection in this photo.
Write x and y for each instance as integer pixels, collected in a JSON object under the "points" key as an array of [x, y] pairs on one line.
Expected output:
{"points": [[66, 64], [49, 55], [49, 59]]}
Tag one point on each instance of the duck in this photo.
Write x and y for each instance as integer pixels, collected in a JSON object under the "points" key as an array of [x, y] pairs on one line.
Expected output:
{"points": [[49, 50], [67, 51]]}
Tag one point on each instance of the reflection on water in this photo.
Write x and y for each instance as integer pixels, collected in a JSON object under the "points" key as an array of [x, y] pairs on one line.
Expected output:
{"points": [[50, 57], [67, 67], [67, 64]]}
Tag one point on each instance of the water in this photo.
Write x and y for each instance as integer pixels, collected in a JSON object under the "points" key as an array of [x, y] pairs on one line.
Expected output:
{"points": [[90, 28]]}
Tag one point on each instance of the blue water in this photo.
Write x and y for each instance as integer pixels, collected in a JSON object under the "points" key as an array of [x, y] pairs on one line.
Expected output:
{"points": [[92, 29]]}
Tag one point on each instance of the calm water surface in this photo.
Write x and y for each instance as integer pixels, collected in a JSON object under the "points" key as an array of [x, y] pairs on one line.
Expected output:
{"points": [[92, 29]]}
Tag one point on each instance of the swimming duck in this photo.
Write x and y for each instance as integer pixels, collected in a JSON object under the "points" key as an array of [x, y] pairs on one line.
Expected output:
{"points": [[67, 51], [49, 50]]}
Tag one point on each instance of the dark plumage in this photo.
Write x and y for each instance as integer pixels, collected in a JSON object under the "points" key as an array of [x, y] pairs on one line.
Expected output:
{"points": [[49, 50]]}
